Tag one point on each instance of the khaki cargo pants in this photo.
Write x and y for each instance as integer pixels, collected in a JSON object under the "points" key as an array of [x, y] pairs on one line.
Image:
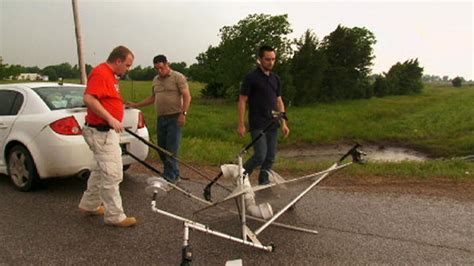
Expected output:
{"points": [[103, 183]]}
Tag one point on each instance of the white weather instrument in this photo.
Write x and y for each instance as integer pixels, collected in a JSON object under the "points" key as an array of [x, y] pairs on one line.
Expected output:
{"points": [[243, 193]]}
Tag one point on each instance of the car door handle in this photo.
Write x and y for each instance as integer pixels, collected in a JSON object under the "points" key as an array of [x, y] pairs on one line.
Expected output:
{"points": [[3, 126]]}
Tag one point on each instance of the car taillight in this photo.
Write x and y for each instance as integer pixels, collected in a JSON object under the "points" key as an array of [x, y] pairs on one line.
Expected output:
{"points": [[141, 120], [66, 126]]}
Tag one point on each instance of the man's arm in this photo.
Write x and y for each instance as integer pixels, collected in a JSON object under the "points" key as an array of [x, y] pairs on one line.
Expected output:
{"points": [[145, 102], [242, 107], [281, 108], [93, 103], [186, 99], [186, 103]]}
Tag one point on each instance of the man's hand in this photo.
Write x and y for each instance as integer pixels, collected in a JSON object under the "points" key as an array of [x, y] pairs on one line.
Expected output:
{"points": [[241, 130], [285, 130], [115, 124], [131, 105], [181, 120]]}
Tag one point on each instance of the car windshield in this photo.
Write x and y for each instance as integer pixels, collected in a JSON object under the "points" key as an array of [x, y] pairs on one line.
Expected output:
{"points": [[61, 97]]}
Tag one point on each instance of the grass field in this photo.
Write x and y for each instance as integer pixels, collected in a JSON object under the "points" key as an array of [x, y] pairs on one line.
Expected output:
{"points": [[438, 122]]}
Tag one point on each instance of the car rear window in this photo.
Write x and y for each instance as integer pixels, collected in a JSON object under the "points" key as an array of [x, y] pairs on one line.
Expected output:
{"points": [[63, 97]]}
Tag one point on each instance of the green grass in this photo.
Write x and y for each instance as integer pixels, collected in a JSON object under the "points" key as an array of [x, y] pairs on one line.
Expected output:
{"points": [[439, 122]]}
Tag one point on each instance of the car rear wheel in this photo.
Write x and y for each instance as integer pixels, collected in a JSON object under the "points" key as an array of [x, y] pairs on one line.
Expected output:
{"points": [[22, 169]]}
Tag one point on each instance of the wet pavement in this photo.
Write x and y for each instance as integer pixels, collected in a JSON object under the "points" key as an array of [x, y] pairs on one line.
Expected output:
{"points": [[45, 227]]}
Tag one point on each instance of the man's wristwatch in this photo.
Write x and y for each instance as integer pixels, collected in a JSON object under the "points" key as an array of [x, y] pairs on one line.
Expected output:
{"points": [[184, 113]]}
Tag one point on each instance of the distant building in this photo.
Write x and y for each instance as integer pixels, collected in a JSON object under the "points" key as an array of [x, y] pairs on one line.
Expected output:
{"points": [[32, 76]]}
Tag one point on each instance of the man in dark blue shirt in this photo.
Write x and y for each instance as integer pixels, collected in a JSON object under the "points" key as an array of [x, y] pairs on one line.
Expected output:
{"points": [[262, 90]]}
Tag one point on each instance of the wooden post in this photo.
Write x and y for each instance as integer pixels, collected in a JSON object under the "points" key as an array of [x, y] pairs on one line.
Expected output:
{"points": [[80, 48]]}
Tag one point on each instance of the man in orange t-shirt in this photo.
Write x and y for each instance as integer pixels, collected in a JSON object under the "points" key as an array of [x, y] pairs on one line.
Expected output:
{"points": [[105, 110]]}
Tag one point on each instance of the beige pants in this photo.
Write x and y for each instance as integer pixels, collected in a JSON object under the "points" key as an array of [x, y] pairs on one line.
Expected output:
{"points": [[103, 183]]}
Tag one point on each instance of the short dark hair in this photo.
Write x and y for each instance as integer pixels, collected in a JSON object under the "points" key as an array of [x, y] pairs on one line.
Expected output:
{"points": [[120, 52], [263, 49], [160, 59]]}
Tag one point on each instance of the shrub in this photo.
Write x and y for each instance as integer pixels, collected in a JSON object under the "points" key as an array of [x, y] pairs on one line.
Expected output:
{"points": [[457, 82]]}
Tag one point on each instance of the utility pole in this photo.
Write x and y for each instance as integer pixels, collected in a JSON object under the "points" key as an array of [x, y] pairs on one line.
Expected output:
{"points": [[80, 48]]}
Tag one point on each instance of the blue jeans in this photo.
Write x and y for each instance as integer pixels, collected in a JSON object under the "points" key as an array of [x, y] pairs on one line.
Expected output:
{"points": [[169, 138], [264, 154]]}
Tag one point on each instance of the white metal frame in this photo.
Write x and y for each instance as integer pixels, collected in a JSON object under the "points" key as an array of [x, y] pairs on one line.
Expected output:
{"points": [[249, 237]]}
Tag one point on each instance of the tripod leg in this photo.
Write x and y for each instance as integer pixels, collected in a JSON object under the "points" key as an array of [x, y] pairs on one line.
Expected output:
{"points": [[187, 252]]}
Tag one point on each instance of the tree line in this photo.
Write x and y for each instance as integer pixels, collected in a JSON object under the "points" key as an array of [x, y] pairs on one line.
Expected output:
{"points": [[67, 71], [54, 72], [334, 68]]}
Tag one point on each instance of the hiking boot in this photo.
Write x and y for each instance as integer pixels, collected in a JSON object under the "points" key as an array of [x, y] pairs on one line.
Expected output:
{"points": [[97, 212], [127, 222]]}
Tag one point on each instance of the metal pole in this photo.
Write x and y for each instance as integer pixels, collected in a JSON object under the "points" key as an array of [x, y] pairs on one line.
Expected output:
{"points": [[259, 230], [186, 251], [186, 235], [192, 196], [242, 199], [205, 229], [329, 170], [160, 149]]}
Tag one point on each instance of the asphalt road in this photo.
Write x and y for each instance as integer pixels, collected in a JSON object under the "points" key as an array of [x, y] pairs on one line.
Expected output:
{"points": [[45, 227]]}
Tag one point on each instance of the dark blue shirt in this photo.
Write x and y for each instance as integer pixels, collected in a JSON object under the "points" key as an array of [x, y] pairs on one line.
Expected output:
{"points": [[262, 92]]}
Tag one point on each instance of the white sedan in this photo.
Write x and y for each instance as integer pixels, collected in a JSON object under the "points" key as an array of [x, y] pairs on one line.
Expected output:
{"points": [[40, 133]]}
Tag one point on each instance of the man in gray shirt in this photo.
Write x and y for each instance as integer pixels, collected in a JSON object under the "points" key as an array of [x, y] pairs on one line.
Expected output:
{"points": [[172, 99]]}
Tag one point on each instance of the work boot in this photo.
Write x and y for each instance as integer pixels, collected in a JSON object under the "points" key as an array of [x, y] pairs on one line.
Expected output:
{"points": [[97, 212], [127, 222], [263, 178]]}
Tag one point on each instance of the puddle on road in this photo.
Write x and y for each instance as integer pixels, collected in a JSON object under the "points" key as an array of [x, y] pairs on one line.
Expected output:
{"points": [[334, 152]]}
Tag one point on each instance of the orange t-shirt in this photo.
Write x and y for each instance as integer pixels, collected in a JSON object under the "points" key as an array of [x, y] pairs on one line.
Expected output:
{"points": [[103, 84]]}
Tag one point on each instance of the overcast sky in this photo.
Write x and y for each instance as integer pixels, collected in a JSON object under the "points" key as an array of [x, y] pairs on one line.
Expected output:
{"points": [[41, 32]]}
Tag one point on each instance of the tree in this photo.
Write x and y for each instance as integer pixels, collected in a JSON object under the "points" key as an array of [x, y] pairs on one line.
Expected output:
{"points": [[307, 70], [51, 73], [180, 67], [89, 69], [2, 69], [224, 66], [139, 73], [288, 94], [457, 82], [64, 70], [206, 69], [430, 78], [410, 81], [401, 79], [349, 54], [380, 86], [12, 71]]}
